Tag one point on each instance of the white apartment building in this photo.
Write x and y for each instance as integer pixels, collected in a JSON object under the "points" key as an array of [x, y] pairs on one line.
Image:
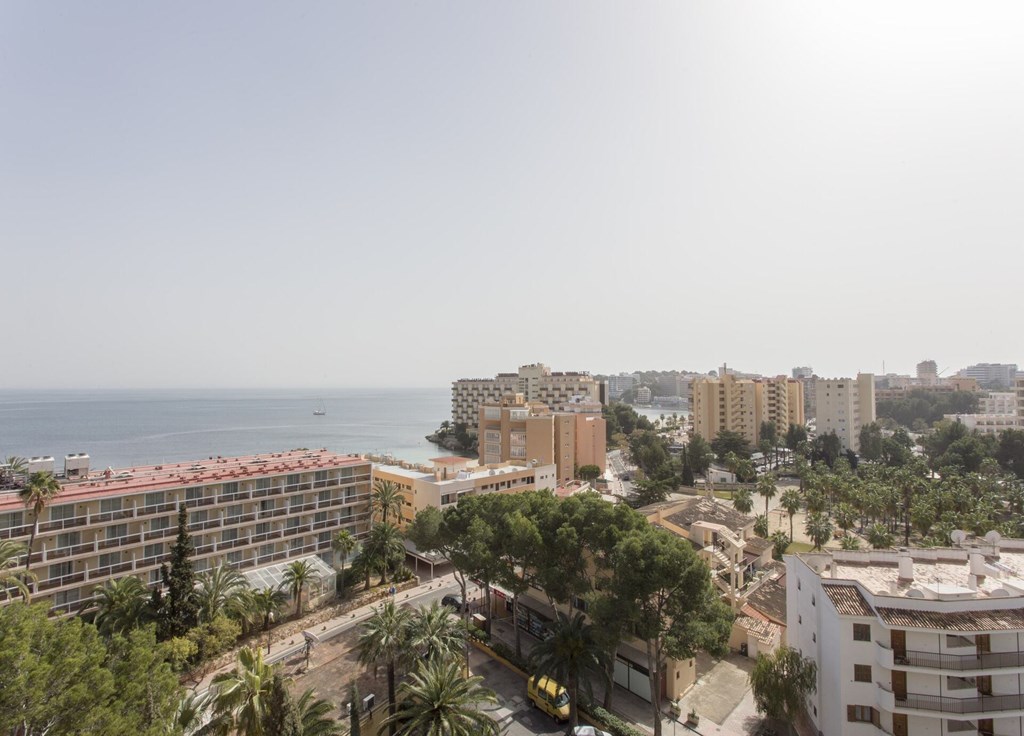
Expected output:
{"points": [[536, 382], [998, 402], [620, 384], [986, 423], [991, 374], [912, 643], [245, 512], [642, 395], [843, 406]]}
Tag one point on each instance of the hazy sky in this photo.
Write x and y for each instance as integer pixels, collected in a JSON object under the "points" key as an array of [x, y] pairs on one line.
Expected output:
{"points": [[370, 194]]}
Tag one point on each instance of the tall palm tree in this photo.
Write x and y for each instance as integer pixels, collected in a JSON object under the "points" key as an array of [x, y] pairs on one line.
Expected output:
{"points": [[343, 543], [819, 529], [314, 716], [241, 695], [382, 549], [766, 488], [15, 467], [40, 490], [434, 634], [569, 655], [297, 575], [438, 699], [385, 638], [121, 605], [386, 499], [259, 607], [742, 500], [10, 574], [220, 591], [791, 501]]}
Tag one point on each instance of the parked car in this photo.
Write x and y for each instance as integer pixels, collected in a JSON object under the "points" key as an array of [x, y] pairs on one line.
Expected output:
{"points": [[454, 602], [549, 696]]}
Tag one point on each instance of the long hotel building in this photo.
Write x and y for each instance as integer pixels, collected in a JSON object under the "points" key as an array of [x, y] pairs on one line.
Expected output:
{"points": [[245, 512], [912, 642]]}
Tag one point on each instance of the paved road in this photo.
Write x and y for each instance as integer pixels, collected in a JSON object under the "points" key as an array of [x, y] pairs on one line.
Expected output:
{"points": [[511, 691]]}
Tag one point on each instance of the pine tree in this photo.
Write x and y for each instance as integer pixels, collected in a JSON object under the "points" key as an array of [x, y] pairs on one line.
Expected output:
{"points": [[180, 610], [687, 473], [353, 713], [281, 717]]}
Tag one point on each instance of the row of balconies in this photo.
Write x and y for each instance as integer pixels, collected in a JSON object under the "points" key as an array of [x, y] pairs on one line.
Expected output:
{"points": [[924, 704], [887, 658]]}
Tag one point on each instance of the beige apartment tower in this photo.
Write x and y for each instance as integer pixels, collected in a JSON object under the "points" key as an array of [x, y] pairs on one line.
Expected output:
{"points": [[844, 406], [741, 405], [244, 512], [515, 430]]}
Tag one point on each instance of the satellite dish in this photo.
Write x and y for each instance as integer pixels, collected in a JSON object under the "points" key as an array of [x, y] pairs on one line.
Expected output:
{"points": [[993, 537], [958, 536]]}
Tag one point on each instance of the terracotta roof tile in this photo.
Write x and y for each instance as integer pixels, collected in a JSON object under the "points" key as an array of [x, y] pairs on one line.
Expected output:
{"points": [[765, 632], [998, 620], [848, 600]]}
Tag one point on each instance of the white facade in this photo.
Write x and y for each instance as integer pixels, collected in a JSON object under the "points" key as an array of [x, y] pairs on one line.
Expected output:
{"points": [[620, 384], [998, 402], [991, 374], [843, 406], [925, 642], [986, 423], [643, 395]]}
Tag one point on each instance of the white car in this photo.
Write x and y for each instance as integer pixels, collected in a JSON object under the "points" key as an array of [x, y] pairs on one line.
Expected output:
{"points": [[588, 731]]}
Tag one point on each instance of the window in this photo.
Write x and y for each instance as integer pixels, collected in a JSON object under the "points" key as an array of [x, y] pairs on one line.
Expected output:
{"points": [[862, 632], [233, 512], [160, 522], [320, 516], [193, 494], [862, 714], [862, 673], [262, 484], [198, 517], [231, 488], [320, 476], [153, 550], [323, 538], [229, 535], [267, 505], [293, 480], [60, 570], [295, 544], [109, 505], [154, 499], [234, 558], [324, 496], [69, 539], [116, 531], [62, 598], [266, 550], [262, 528], [60, 513], [295, 501], [293, 522], [110, 558]]}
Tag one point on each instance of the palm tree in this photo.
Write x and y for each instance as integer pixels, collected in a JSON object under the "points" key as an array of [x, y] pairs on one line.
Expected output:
{"points": [[434, 634], [791, 501], [313, 714], [259, 607], [385, 638], [297, 575], [386, 499], [568, 655], [10, 575], [121, 605], [382, 548], [766, 488], [220, 591], [879, 536], [343, 543], [819, 529], [438, 699], [742, 500], [241, 695], [41, 488], [15, 466]]}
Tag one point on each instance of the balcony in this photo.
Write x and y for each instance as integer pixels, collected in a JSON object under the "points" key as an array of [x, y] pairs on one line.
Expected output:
{"points": [[887, 658], [932, 705]]}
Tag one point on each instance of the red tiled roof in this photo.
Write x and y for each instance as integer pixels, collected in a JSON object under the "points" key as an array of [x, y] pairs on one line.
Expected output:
{"points": [[848, 600], [764, 631], [999, 620]]}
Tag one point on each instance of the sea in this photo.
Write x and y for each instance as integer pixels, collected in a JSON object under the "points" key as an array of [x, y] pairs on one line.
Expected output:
{"points": [[125, 428]]}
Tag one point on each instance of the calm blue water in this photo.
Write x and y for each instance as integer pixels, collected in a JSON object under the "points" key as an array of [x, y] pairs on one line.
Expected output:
{"points": [[124, 428]]}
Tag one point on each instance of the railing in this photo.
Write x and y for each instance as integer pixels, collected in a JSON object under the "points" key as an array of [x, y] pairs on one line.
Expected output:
{"points": [[960, 662], [943, 704]]}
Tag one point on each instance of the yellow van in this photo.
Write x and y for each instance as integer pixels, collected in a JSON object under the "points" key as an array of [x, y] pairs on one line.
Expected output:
{"points": [[549, 696]]}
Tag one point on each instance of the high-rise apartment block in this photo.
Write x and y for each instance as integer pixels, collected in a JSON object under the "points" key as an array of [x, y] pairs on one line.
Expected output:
{"points": [[741, 405], [921, 642], [992, 375], [244, 512], [536, 382], [514, 430], [844, 405], [1020, 399], [803, 371], [620, 384], [927, 373]]}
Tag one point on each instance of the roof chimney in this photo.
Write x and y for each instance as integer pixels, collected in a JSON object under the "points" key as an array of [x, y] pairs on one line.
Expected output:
{"points": [[977, 562], [906, 565]]}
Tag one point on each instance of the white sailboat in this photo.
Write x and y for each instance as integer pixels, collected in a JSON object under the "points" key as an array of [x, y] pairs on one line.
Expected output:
{"points": [[321, 411]]}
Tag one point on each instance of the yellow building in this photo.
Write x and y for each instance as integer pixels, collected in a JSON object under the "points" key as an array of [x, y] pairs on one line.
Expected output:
{"points": [[244, 512], [844, 406], [742, 404], [515, 430], [447, 479]]}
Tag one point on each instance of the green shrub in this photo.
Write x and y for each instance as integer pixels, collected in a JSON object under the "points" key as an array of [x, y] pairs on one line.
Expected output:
{"points": [[610, 722]]}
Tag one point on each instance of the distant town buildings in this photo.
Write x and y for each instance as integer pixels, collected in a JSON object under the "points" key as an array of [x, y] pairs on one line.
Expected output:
{"points": [[742, 404], [515, 430], [642, 395], [620, 384], [998, 402], [927, 373], [920, 641], [992, 375], [844, 405], [803, 371], [985, 423], [901, 387], [536, 382], [244, 512]]}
